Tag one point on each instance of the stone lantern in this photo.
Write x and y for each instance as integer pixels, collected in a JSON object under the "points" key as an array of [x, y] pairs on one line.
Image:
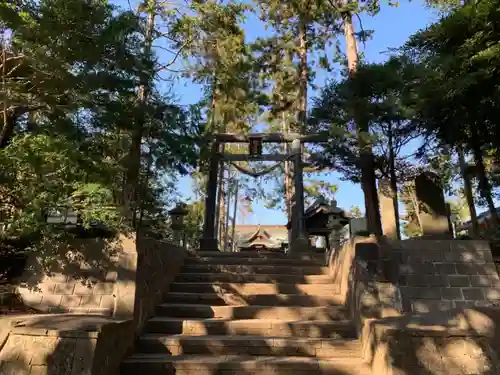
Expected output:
{"points": [[177, 214], [337, 219]]}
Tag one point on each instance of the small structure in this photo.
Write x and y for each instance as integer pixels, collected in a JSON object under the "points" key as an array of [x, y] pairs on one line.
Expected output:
{"points": [[177, 214], [324, 219]]}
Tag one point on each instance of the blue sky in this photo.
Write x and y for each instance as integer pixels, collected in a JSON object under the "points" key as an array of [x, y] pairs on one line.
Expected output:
{"points": [[392, 26]]}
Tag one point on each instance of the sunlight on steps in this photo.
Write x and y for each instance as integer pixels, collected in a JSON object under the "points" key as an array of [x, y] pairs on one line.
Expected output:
{"points": [[249, 313]]}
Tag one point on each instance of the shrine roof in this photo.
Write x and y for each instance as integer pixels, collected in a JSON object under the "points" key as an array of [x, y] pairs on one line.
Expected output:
{"points": [[269, 235], [322, 206]]}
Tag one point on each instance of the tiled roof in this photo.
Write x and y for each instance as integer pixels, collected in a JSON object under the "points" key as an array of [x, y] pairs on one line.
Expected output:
{"points": [[275, 233]]}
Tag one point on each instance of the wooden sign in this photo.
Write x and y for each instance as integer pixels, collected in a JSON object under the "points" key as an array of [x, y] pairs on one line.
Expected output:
{"points": [[255, 146]]}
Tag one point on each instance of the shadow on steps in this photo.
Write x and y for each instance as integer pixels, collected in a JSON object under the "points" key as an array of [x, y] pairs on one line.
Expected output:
{"points": [[266, 316]]}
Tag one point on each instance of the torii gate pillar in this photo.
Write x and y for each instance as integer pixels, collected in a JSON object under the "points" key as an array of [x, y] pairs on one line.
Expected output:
{"points": [[298, 241], [208, 242]]}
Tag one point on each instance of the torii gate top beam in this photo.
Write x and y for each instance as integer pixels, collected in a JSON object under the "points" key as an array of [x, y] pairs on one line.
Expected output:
{"points": [[270, 137]]}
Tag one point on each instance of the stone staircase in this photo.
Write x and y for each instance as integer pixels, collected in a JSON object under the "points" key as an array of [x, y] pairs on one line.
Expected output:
{"points": [[249, 313]]}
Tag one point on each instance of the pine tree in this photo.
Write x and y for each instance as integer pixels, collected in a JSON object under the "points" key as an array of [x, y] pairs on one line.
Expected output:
{"points": [[70, 102], [367, 162], [298, 30], [217, 56]]}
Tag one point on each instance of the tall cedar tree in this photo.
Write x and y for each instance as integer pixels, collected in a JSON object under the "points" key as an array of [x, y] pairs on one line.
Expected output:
{"points": [[217, 56], [457, 94]]}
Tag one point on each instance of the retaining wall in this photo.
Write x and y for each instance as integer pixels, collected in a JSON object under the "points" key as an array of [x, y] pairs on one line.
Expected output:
{"points": [[127, 286], [441, 275]]}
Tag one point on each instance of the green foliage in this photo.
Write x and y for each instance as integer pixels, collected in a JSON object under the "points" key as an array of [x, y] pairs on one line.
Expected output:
{"points": [[355, 212], [379, 94], [69, 100], [42, 174], [314, 189], [411, 216], [459, 207], [194, 223], [213, 45], [455, 95]]}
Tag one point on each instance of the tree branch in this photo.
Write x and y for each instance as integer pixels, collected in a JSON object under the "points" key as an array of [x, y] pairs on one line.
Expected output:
{"points": [[172, 62]]}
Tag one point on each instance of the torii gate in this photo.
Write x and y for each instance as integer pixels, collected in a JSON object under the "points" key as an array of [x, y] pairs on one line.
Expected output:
{"points": [[298, 236]]}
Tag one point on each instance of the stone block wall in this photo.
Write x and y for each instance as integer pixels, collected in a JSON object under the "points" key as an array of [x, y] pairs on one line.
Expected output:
{"points": [[64, 293], [72, 345], [158, 263], [427, 353], [80, 277], [128, 290], [457, 342], [123, 278], [440, 275], [341, 262]]}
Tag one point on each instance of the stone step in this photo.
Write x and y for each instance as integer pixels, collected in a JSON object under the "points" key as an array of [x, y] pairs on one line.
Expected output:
{"points": [[255, 288], [163, 364], [221, 299], [249, 345], [333, 312], [256, 327], [255, 269], [255, 278], [276, 261]]}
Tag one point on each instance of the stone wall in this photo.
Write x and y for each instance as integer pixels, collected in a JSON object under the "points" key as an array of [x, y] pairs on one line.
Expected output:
{"points": [[459, 342], [158, 264], [65, 345], [60, 293], [440, 275], [341, 261], [75, 278], [453, 342], [117, 278], [69, 344]]}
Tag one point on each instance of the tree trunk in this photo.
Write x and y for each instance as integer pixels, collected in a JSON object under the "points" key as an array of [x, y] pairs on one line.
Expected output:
{"points": [[143, 188], [394, 181], [368, 178], [226, 212], [297, 194], [288, 174], [221, 197], [31, 124], [134, 156], [468, 192], [287, 178], [7, 130], [484, 184], [302, 99]]}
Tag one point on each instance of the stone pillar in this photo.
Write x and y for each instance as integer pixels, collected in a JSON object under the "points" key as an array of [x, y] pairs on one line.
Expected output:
{"points": [[209, 240], [387, 210], [299, 239], [433, 214]]}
